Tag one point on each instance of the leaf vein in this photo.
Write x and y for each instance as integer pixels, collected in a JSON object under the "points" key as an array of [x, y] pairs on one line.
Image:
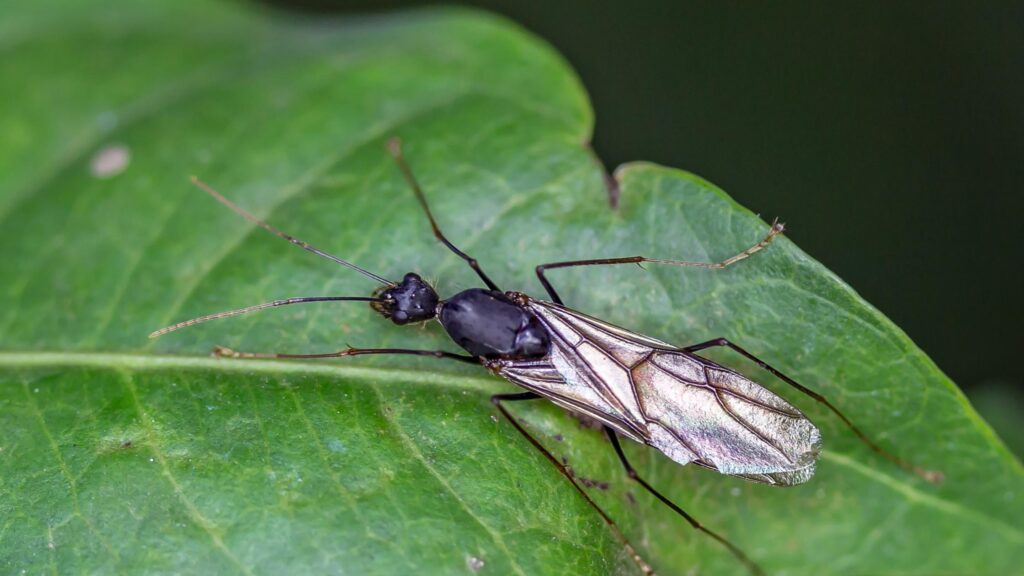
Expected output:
{"points": [[916, 496], [191, 510], [72, 485], [418, 454]]}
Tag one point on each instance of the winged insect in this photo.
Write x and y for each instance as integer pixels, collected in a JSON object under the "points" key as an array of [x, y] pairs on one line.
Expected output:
{"points": [[690, 408]]}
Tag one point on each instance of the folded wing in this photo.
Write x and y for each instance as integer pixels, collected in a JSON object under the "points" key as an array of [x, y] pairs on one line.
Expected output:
{"points": [[686, 406], [727, 422]]}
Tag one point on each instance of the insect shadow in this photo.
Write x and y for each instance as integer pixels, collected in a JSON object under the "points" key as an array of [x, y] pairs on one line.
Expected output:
{"points": [[693, 410]]}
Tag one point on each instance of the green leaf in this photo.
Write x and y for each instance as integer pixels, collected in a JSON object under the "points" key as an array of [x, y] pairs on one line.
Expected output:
{"points": [[120, 454]]}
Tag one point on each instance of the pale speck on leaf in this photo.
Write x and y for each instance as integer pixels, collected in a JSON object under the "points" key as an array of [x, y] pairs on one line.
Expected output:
{"points": [[474, 564], [110, 161]]}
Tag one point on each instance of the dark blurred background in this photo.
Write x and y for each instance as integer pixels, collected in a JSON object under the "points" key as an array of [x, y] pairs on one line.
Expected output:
{"points": [[888, 135]]}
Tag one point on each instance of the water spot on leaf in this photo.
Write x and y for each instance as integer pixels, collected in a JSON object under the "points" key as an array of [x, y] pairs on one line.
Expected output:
{"points": [[336, 446], [119, 440], [474, 564], [177, 453]]}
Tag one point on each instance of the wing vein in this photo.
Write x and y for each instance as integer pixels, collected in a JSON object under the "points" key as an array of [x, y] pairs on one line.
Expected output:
{"points": [[739, 420]]}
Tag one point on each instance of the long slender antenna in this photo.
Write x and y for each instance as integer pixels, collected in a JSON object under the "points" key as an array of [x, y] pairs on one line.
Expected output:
{"points": [[264, 306], [300, 243]]}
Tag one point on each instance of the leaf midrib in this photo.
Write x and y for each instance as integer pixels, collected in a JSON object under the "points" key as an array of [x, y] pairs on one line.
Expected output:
{"points": [[443, 379], [154, 362]]}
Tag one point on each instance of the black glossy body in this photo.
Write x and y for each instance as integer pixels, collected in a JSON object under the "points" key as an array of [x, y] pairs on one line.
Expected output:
{"points": [[487, 324]]}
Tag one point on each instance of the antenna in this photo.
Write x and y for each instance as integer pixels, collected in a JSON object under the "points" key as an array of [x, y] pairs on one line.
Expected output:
{"points": [[265, 305], [300, 243]]}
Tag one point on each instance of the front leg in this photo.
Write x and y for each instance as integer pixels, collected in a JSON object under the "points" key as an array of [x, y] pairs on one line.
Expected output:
{"points": [[776, 229], [225, 352]]}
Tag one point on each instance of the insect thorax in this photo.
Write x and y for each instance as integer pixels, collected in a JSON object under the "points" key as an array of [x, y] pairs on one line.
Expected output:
{"points": [[488, 324]]}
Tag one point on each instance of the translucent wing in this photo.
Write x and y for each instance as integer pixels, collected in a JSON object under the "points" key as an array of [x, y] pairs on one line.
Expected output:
{"points": [[728, 422], [688, 407]]}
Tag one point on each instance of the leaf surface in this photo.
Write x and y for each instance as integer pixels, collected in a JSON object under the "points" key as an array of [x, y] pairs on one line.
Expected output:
{"points": [[122, 454]]}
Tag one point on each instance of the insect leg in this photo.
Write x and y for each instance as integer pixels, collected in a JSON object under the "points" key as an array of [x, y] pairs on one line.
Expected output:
{"points": [[632, 473], [932, 476], [497, 400], [775, 230], [223, 351], [395, 148]]}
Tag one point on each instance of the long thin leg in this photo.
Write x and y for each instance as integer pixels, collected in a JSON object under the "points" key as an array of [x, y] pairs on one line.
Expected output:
{"points": [[497, 399], [933, 476], [225, 352], [776, 229], [632, 473], [395, 148]]}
